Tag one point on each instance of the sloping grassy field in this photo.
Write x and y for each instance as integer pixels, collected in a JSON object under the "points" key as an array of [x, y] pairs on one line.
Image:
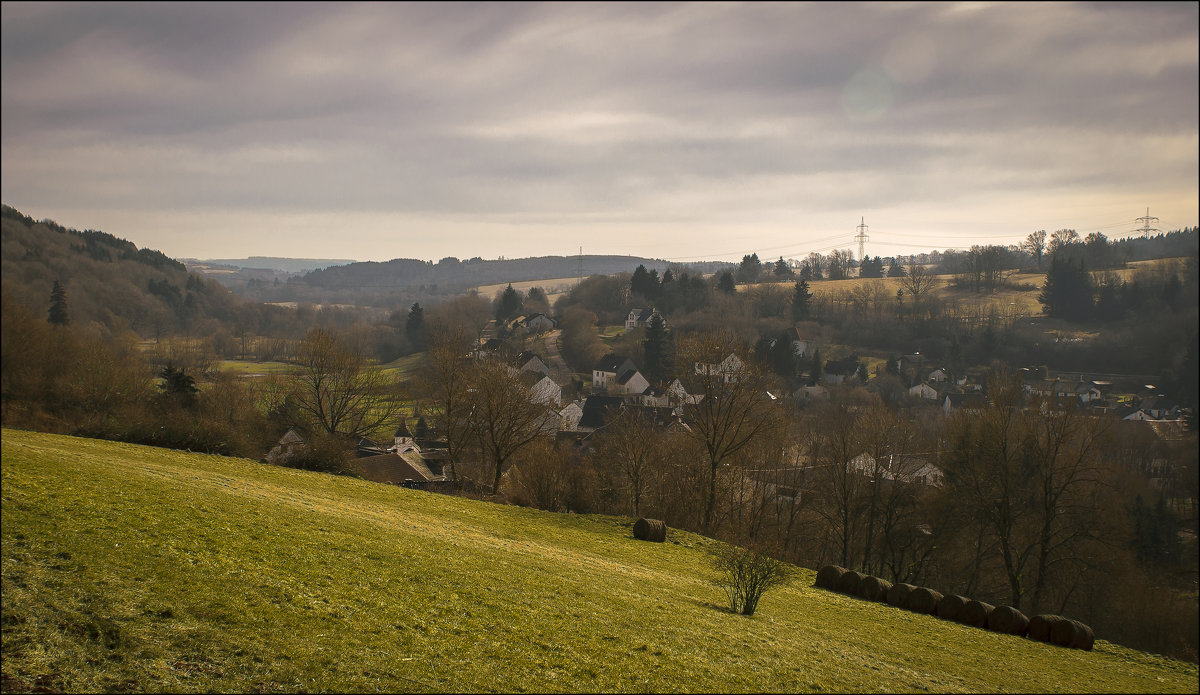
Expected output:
{"points": [[138, 569]]}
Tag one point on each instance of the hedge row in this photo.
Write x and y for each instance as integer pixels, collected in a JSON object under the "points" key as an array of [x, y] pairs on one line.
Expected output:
{"points": [[1053, 629]]}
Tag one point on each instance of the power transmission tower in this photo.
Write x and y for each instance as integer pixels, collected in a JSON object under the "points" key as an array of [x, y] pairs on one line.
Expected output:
{"points": [[861, 238], [579, 274], [1146, 228]]}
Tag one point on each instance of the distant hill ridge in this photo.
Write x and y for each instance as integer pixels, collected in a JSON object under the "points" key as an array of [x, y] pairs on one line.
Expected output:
{"points": [[450, 272], [289, 265], [108, 281]]}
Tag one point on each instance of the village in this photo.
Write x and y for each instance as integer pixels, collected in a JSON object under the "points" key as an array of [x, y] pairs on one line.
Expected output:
{"points": [[576, 413]]}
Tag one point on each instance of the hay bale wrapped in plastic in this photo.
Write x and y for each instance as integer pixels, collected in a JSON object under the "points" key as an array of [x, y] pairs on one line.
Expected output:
{"points": [[898, 595], [1008, 620], [874, 589], [1041, 625], [652, 530], [950, 606], [924, 600], [975, 613], [849, 581], [828, 576]]}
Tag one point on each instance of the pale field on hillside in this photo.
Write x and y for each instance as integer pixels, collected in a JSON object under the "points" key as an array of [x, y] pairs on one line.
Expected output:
{"points": [[553, 287]]}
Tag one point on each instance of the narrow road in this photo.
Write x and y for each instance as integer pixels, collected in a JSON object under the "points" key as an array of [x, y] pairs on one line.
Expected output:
{"points": [[559, 371]]}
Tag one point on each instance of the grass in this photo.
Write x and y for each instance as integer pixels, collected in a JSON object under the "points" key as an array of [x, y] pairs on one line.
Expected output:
{"points": [[252, 368], [404, 367], [139, 569]]}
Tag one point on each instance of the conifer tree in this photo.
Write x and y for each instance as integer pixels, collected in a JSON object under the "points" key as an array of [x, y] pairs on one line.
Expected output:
{"points": [[58, 305], [801, 302]]}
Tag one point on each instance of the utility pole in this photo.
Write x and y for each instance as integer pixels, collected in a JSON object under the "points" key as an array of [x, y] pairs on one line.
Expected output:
{"points": [[1146, 228], [861, 238]]}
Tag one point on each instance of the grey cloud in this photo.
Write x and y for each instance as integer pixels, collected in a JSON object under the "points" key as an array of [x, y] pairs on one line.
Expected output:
{"points": [[530, 109]]}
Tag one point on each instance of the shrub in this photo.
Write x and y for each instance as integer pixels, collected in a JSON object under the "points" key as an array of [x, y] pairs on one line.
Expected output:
{"points": [[746, 574]]}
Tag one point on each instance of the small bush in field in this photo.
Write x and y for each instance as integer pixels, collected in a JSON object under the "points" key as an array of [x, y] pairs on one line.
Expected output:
{"points": [[746, 574]]}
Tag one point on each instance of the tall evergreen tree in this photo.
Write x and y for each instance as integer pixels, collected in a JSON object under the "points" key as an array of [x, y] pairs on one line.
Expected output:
{"points": [[871, 267], [509, 304], [782, 269], [783, 356], [750, 269], [414, 328], [1068, 292], [726, 283], [801, 302], [644, 283], [657, 350], [816, 369], [895, 270], [58, 305]]}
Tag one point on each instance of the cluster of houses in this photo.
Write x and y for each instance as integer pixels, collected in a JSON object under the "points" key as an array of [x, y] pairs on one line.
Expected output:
{"points": [[619, 386], [1090, 396]]}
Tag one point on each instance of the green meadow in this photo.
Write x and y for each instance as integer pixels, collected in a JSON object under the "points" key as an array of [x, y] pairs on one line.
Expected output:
{"points": [[130, 568]]}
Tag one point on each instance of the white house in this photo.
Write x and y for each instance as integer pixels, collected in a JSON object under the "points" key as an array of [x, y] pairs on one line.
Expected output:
{"points": [[609, 368], [539, 323], [570, 415], [640, 318], [542, 389], [924, 390], [529, 362], [403, 440], [631, 381], [731, 367]]}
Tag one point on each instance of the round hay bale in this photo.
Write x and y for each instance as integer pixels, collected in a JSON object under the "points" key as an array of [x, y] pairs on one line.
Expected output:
{"points": [[1063, 632], [874, 589], [1084, 637], [898, 595], [827, 577], [1008, 620], [849, 581], [653, 530], [1040, 626], [1072, 633], [975, 613], [950, 606], [924, 600]]}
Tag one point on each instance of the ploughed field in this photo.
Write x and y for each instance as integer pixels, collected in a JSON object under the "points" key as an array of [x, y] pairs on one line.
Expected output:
{"points": [[140, 569]]}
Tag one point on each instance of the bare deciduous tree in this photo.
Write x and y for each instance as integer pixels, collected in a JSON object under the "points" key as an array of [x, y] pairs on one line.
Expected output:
{"points": [[503, 415], [734, 407], [1029, 475], [631, 445], [916, 284], [337, 390], [443, 380]]}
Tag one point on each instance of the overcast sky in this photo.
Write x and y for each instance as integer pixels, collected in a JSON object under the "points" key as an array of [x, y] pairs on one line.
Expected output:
{"points": [[676, 131]]}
